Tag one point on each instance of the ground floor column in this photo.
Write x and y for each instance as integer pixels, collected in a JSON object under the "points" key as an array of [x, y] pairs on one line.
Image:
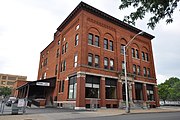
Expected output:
{"points": [[144, 95], [80, 94], [156, 97], [102, 92], [133, 92]]}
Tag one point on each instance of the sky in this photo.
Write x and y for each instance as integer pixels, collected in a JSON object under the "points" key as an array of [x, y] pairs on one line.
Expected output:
{"points": [[28, 26]]}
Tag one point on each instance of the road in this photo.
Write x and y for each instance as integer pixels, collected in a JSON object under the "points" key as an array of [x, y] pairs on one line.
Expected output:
{"points": [[150, 116]]}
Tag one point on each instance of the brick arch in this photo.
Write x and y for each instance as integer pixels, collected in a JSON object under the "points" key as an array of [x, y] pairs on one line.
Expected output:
{"points": [[145, 49], [94, 31], [108, 36], [123, 41], [134, 45]]}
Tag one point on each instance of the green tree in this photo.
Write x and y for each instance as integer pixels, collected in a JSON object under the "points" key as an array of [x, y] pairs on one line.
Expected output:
{"points": [[170, 89], [163, 91], [159, 9], [5, 91]]}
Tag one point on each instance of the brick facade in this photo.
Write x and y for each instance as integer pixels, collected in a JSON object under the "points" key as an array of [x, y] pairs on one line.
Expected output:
{"points": [[58, 59]]}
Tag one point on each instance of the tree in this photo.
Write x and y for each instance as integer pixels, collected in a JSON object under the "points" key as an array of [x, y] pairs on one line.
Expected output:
{"points": [[5, 91], [170, 89], [163, 91], [159, 9]]}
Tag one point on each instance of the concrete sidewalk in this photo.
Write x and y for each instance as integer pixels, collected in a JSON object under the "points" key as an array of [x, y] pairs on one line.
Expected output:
{"points": [[85, 114]]}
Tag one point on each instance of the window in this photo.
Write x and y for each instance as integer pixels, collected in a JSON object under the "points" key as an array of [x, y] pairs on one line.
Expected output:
{"points": [[105, 43], [96, 61], [137, 53], [123, 66], [110, 88], [4, 77], [59, 42], [75, 60], [90, 59], [122, 49], [76, 39], [72, 87], [63, 49], [66, 47], [133, 52], [90, 39], [59, 87], [105, 63], [143, 56], [134, 69], [150, 92], [44, 75], [145, 71], [92, 86], [138, 70], [63, 66], [77, 27], [111, 45], [97, 40], [148, 72], [111, 64], [138, 91], [56, 69], [57, 53], [146, 57], [45, 61], [62, 87]]}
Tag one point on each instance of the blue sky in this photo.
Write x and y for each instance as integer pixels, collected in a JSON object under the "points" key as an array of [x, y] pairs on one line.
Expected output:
{"points": [[27, 27]]}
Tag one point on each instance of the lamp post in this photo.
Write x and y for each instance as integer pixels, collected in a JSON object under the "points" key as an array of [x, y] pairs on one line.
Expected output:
{"points": [[125, 70]]}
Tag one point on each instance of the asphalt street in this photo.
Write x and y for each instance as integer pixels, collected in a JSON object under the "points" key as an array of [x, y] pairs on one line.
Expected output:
{"points": [[149, 116]]}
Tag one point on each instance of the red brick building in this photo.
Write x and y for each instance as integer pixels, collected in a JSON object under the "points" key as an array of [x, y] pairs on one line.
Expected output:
{"points": [[86, 57]]}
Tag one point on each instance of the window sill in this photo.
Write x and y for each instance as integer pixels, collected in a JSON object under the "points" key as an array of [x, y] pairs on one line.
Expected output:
{"points": [[94, 46], [108, 50]]}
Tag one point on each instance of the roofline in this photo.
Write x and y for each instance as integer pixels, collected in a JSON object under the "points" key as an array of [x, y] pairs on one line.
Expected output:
{"points": [[101, 14]]}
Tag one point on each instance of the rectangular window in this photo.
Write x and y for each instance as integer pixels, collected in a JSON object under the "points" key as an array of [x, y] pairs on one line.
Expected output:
{"points": [[76, 39], [133, 52], [150, 92], [92, 86], [72, 87], [139, 91], [90, 39], [105, 63], [57, 53], [75, 60], [143, 56], [105, 43], [111, 64], [111, 45], [134, 69], [97, 40], [56, 69], [148, 72], [137, 53], [66, 47], [62, 88], [138, 70], [145, 71], [123, 66], [111, 85], [63, 65], [63, 49], [146, 57], [90, 59], [122, 49], [96, 61]]}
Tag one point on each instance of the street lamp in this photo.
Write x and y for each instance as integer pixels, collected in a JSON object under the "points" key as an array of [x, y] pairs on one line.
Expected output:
{"points": [[125, 69]]}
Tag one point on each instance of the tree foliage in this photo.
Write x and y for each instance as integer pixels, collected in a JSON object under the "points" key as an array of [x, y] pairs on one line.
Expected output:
{"points": [[170, 89], [159, 9], [5, 91]]}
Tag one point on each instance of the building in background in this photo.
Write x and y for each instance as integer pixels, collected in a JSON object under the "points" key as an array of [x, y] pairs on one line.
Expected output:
{"points": [[8, 80], [85, 60]]}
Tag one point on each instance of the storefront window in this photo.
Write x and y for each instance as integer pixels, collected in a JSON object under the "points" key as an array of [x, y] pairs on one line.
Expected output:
{"points": [[72, 87], [110, 88], [138, 91], [150, 92], [92, 86]]}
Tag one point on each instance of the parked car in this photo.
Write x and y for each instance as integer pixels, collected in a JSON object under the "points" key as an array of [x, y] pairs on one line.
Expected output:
{"points": [[10, 101]]}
